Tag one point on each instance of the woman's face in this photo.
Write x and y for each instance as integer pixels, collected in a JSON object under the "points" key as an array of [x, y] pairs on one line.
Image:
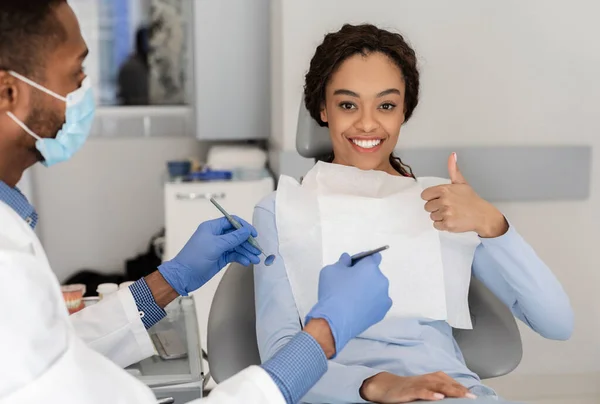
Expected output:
{"points": [[364, 108]]}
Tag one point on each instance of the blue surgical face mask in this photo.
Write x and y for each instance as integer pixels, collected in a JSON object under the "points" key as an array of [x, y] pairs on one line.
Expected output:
{"points": [[79, 117]]}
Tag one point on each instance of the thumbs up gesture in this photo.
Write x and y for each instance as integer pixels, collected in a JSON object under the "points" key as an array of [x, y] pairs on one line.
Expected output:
{"points": [[457, 208]]}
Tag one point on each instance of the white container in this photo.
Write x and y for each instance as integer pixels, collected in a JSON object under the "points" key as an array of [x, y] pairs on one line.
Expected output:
{"points": [[236, 157], [90, 301], [106, 289]]}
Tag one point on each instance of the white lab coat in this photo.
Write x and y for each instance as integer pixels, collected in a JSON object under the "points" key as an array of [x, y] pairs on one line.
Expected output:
{"points": [[49, 356]]}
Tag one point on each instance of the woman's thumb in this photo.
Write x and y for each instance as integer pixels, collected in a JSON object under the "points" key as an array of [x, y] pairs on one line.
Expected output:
{"points": [[455, 175]]}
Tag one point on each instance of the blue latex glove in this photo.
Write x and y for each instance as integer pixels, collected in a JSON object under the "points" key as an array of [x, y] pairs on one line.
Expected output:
{"points": [[351, 298], [215, 244]]}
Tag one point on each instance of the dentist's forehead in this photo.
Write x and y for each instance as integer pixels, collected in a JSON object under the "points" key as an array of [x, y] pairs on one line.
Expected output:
{"points": [[73, 50]]}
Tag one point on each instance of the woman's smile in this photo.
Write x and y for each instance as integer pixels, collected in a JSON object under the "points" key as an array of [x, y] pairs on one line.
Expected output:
{"points": [[366, 144]]}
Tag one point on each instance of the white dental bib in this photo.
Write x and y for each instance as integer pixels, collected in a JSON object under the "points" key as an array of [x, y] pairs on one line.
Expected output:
{"points": [[341, 209]]}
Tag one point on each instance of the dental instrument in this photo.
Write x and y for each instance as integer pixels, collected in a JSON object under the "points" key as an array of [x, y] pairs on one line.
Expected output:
{"points": [[269, 258], [357, 257]]}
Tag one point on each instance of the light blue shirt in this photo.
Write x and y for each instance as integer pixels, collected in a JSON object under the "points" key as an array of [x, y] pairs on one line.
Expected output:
{"points": [[297, 366], [19, 203], [507, 265]]}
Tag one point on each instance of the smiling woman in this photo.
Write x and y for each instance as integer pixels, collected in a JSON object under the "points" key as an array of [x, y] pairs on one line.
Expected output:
{"points": [[363, 83]]}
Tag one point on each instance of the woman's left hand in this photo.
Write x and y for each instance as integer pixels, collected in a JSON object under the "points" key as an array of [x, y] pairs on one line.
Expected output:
{"points": [[457, 208]]}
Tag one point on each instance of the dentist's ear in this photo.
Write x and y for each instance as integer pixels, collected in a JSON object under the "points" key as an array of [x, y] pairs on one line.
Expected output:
{"points": [[9, 92]]}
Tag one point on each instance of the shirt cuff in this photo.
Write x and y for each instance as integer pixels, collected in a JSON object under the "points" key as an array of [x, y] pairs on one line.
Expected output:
{"points": [[297, 367], [509, 238], [150, 312]]}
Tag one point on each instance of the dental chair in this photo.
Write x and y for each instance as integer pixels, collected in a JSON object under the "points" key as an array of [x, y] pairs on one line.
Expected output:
{"points": [[491, 349]]}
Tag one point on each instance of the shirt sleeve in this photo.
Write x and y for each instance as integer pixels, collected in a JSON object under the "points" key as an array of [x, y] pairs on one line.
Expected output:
{"points": [[511, 269], [297, 367], [150, 312]]}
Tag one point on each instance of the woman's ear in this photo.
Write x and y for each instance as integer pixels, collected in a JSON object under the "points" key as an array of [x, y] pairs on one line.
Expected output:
{"points": [[403, 118], [324, 113]]}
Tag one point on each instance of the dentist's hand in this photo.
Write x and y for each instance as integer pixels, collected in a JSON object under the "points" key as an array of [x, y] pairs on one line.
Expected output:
{"points": [[351, 298], [215, 244]]}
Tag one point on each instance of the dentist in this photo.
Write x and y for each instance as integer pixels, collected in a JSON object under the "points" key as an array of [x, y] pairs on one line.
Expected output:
{"points": [[46, 112]]}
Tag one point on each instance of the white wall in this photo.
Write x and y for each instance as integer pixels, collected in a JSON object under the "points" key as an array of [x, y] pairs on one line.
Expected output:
{"points": [[493, 73], [102, 207]]}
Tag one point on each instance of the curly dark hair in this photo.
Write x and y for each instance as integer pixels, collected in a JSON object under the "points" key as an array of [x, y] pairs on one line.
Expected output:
{"points": [[364, 40]]}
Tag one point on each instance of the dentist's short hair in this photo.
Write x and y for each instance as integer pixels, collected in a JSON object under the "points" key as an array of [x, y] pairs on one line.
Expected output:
{"points": [[29, 31]]}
